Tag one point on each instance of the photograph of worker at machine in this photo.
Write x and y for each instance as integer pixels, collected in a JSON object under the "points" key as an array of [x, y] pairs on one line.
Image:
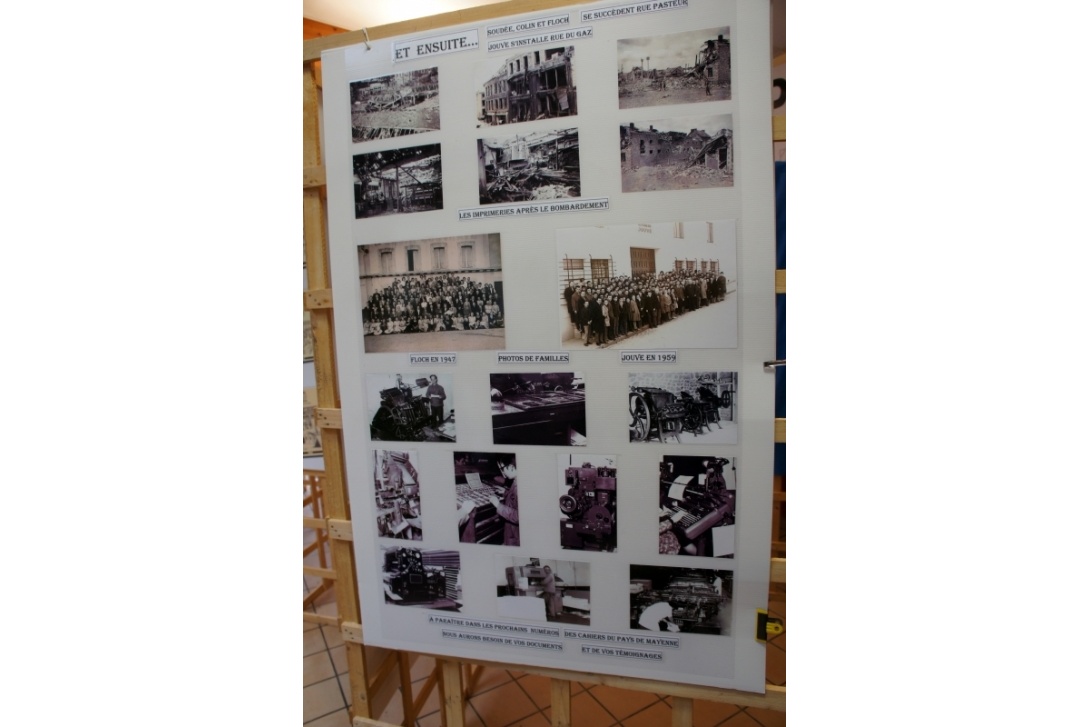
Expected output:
{"points": [[422, 578], [697, 505], [686, 407], [533, 408], [540, 165], [413, 408], [535, 589], [588, 502], [680, 600], [486, 487], [397, 495]]}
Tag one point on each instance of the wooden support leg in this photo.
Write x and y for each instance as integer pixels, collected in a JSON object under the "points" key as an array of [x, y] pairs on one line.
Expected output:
{"points": [[561, 702], [406, 689], [453, 703], [682, 712]]}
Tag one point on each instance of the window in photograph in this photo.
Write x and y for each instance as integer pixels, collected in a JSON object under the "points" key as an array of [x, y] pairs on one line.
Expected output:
{"points": [[439, 258], [386, 259], [599, 268], [467, 257]]}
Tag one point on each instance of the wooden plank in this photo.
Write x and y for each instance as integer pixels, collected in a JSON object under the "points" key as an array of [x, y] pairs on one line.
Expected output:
{"points": [[314, 522], [561, 702], [454, 707], [352, 632], [779, 128], [425, 691], [317, 299], [781, 281], [385, 669], [328, 419], [313, 177], [778, 571], [340, 529], [318, 29], [324, 573], [681, 713], [318, 618], [404, 663], [780, 436], [364, 722]]}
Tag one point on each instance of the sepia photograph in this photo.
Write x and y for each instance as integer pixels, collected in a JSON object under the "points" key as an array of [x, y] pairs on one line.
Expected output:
{"points": [[683, 407], [312, 435], [396, 105], [542, 165], [440, 294], [694, 152], [648, 286], [411, 407], [486, 489], [681, 68], [680, 600], [696, 505], [398, 181], [538, 589], [422, 578], [308, 338], [397, 495], [588, 502], [535, 84], [532, 408]]}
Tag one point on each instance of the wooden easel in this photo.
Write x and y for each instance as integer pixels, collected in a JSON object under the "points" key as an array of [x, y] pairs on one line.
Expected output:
{"points": [[318, 299]]}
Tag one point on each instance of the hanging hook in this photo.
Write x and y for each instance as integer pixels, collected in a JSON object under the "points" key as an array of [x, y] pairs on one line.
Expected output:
{"points": [[366, 39]]}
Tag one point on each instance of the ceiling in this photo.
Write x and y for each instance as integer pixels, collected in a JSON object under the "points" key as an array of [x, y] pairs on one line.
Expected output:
{"points": [[356, 14]]}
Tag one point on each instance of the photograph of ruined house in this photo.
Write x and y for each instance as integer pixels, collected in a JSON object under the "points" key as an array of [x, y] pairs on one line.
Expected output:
{"points": [[398, 181], [396, 105], [689, 67], [691, 152], [537, 84], [526, 167]]}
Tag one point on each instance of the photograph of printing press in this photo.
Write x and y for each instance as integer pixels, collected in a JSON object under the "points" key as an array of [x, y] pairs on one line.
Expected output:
{"points": [[686, 407], [422, 578], [397, 495], [680, 600], [536, 589], [532, 408], [696, 505], [588, 502], [486, 487], [412, 408]]}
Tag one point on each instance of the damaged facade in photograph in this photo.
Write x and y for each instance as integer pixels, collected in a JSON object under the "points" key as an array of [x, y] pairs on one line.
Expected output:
{"points": [[538, 84], [396, 105], [688, 67], [398, 181], [657, 159], [537, 166]]}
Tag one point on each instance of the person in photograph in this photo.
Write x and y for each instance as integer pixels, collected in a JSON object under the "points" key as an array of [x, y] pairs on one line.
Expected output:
{"points": [[508, 509], [553, 603], [436, 395]]}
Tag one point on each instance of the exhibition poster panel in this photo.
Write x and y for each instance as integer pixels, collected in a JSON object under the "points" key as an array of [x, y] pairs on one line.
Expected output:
{"points": [[551, 240]]}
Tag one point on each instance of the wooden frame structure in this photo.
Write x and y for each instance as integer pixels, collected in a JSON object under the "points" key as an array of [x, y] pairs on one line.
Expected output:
{"points": [[369, 690]]}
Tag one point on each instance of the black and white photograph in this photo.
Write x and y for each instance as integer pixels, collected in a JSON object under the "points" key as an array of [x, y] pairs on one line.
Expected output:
{"points": [[681, 68], [441, 294], [539, 589], [648, 286], [486, 489], [540, 165], [397, 494], [398, 181], [686, 152], [396, 105], [680, 600], [588, 502], [534, 84], [312, 435], [533, 408], [411, 407], [422, 578], [683, 407], [696, 505]]}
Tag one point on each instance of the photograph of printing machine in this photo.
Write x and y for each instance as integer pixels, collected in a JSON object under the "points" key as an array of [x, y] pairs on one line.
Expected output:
{"points": [[536, 589], [533, 408], [696, 505], [397, 495], [688, 407], [680, 600], [486, 487], [414, 410], [588, 502], [422, 578]]}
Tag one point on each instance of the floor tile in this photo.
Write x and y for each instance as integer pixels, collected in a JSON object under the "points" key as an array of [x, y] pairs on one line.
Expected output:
{"points": [[539, 689], [767, 717], [622, 702], [490, 678], [503, 705], [422, 668], [741, 720], [322, 698], [332, 636], [775, 665], [586, 711], [657, 715], [337, 719], [431, 704], [534, 720], [709, 714], [317, 668], [394, 713], [340, 659], [313, 642]]}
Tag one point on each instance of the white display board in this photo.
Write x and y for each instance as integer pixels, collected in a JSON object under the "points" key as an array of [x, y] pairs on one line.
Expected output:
{"points": [[523, 492]]}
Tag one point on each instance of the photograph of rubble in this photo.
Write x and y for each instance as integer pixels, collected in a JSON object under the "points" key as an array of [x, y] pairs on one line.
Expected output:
{"points": [[685, 600], [692, 152], [422, 578], [537, 166], [396, 105], [588, 502], [648, 286], [536, 84], [397, 495], [687, 407], [438, 294], [690, 67], [398, 181], [696, 506]]}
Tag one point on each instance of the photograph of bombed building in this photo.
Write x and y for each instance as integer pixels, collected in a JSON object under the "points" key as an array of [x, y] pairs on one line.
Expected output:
{"points": [[542, 165], [683, 153], [395, 105], [688, 67], [422, 578], [659, 285], [686, 600], [439, 294], [416, 407], [538, 84], [398, 181], [538, 589], [696, 506], [397, 495], [687, 407], [588, 502]]}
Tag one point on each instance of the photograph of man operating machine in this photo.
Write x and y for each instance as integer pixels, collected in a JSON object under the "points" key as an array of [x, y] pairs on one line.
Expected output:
{"points": [[486, 487]]}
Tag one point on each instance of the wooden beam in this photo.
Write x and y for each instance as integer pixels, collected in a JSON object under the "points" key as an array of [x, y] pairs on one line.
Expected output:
{"points": [[314, 522], [327, 574], [778, 570], [681, 713], [340, 529], [780, 436], [352, 632], [316, 29], [328, 419], [781, 281], [317, 618], [317, 299], [779, 128], [560, 690], [313, 177], [454, 707]]}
